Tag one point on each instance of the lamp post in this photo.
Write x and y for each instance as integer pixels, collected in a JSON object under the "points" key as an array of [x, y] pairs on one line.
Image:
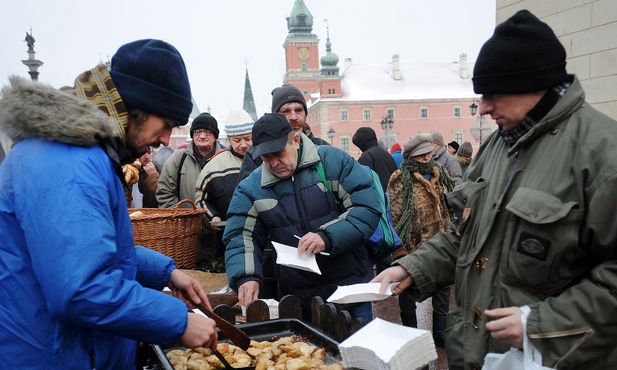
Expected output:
{"points": [[386, 125], [480, 129], [331, 134]]}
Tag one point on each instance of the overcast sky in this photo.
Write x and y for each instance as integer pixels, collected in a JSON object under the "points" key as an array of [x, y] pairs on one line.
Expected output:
{"points": [[216, 37]]}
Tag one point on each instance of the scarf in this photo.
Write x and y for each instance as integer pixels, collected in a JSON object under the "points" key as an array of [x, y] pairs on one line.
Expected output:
{"points": [[408, 168], [536, 114], [204, 159], [462, 161], [97, 87]]}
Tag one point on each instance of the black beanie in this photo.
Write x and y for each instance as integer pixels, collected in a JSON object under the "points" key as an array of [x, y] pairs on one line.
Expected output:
{"points": [[364, 138], [286, 94], [207, 122], [522, 56], [150, 75]]}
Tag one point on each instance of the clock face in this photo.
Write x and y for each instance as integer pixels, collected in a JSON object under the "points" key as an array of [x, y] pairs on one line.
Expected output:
{"points": [[303, 53]]}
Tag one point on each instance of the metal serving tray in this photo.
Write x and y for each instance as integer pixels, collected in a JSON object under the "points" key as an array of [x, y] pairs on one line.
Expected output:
{"points": [[260, 331]]}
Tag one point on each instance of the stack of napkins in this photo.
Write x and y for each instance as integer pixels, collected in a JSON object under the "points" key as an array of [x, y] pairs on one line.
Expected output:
{"points": [[363, 292], [384, 345]]}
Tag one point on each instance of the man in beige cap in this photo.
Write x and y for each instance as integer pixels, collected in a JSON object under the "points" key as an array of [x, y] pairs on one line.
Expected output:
{"points": [[463, 155]]}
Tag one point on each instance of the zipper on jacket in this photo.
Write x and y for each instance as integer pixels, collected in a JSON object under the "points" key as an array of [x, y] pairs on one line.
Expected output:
{"points": [[512, 166], [302, 217]]}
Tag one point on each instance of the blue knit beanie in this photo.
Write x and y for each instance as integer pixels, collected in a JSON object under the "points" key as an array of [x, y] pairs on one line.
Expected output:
{"points": [[150, 75]]}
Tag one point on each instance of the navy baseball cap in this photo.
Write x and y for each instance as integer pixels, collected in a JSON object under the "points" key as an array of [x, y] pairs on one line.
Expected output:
{"points": [[270, 134]]}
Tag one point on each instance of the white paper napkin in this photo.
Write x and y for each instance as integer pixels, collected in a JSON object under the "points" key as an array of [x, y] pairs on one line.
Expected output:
{"points": [[288, 256], [360, 293]]}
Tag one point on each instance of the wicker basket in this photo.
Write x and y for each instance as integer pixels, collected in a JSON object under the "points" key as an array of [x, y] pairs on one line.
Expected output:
{"points": [[173, 232]]}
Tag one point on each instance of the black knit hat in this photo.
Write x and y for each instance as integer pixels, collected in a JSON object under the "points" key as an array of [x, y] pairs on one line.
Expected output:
{"points": [[364, 138], [150, 75], [286, 94], [523, 55], [207, 122], [270, 134], [453, 144]]}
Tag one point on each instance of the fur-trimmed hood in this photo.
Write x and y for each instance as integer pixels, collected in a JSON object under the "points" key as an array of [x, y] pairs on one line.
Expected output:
{"points": [[34, 110]]}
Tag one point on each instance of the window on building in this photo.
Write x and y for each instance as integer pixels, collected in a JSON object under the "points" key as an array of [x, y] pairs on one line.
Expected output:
{"points": [[304, 67], [306, 92], [390, 113], [344, 143], [366, 114], [424, 112], [458, 136], [343, 115], [456, 111]]}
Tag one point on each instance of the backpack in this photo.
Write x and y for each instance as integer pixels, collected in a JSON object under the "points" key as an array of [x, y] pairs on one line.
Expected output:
{"points": [[384, 240]]}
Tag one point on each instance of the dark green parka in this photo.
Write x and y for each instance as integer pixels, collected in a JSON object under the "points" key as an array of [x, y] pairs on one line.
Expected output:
{"points": [[537, 226]]}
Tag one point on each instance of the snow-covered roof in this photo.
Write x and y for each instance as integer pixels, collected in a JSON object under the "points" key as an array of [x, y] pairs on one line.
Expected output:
{"points": [[419, 81]]}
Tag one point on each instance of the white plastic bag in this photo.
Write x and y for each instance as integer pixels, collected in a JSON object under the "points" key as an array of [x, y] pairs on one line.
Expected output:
{"points": [[529, 358]]}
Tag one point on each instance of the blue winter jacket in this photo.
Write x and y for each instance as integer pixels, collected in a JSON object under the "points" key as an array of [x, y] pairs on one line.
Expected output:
{"points": [[265, 208], [73, 286]]}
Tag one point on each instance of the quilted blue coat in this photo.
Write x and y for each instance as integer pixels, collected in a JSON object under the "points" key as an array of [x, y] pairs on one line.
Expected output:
{"points": [[73, 286], [266, 208]]}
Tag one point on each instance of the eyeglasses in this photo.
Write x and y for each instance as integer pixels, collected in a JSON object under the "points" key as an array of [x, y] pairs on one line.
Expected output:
{"points": [[203, 131]]}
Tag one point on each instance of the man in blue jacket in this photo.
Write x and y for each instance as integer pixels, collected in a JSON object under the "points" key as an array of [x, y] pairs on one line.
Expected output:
{"points": [[76, 293], [285, 197]]}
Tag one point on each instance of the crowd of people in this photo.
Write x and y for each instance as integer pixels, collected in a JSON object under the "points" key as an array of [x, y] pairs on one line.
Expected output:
{"points": [[521, 234]]}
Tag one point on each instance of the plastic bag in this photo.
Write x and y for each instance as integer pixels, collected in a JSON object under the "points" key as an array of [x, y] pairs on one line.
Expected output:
{"points": [[529, 358]]}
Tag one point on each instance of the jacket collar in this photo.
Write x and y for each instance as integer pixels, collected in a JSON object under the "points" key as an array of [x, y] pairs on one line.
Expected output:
{"points": [[309, 158], [571, 101], [440, 152]]}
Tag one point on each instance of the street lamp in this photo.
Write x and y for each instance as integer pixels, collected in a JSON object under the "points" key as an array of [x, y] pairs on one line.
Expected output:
{"points": [[480, 129], [473, 108], [331, 134], [386, 125]]}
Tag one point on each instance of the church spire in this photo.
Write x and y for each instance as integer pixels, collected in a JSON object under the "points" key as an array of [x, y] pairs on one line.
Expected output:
{"points": [[330, 60], [249, 103]]}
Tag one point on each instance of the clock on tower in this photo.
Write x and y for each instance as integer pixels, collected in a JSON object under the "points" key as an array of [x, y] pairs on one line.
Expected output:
{"points": [[303, 53]]}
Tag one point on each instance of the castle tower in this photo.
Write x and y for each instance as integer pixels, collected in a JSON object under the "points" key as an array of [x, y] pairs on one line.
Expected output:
{"points": [[301, 51], [330, 80]]}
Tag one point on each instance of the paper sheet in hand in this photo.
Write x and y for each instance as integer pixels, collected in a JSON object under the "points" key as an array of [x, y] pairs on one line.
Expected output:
{"points": [[288, 256], [360, 293]]}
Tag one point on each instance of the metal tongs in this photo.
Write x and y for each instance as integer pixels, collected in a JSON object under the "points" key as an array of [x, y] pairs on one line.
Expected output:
{"points": [[221, 358], [235, 335]]}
